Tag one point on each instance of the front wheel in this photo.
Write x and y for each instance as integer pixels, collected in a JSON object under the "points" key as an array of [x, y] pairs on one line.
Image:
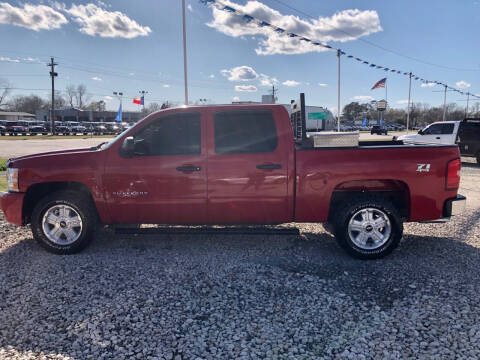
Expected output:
{"points": [[63, 222], [368, 227]]}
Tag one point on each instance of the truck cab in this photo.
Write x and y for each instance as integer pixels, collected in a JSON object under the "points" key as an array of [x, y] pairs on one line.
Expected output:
{"points": [[444, 132]]}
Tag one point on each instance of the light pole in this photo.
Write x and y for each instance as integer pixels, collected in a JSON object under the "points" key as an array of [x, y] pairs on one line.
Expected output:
{"points": [[185, 52], [118, 95], [143, 92]]}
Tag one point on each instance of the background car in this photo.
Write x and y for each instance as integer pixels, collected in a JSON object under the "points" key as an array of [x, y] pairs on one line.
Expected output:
{"points": [[379, 130]]}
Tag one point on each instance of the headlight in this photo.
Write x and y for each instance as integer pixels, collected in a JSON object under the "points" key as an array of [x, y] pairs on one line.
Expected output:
{"points": [[12, 179]]}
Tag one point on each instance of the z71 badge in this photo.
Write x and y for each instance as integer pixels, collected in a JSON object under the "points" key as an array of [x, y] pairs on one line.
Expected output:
{"points": [[423, 167]]}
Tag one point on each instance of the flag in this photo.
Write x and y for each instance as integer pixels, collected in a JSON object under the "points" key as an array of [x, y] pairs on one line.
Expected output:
{"points": [[364, 123], [119, 114], [137, 101], [379, 84]]}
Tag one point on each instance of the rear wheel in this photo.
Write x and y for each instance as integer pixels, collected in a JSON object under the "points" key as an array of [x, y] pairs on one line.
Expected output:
{"points": [[368, 227], [63, 223]]}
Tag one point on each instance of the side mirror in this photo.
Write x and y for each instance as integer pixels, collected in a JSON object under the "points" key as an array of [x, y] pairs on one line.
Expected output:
{"points": [[128, 146], [420, 132]]}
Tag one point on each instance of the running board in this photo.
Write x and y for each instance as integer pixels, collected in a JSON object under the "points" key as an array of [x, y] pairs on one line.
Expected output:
{"points": [[208, 230]]}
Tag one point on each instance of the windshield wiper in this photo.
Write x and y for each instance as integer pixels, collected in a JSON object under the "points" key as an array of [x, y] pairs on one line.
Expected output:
{"points": [[96, 147]]}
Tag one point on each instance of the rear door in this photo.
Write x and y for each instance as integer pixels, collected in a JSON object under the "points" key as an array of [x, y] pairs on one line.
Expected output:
{"points": [[247, 168]]}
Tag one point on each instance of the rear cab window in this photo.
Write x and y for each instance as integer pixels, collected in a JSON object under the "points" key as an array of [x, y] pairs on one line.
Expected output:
{"points": [[245, 131]]}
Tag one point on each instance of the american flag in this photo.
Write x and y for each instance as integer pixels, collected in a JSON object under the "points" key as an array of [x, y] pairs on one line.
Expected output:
{"points": [[380, 84]]}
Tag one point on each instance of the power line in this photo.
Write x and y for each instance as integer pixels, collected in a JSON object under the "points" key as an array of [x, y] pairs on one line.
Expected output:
{"points": [[376, 45]]}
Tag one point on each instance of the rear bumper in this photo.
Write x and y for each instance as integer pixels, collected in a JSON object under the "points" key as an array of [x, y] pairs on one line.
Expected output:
{"points": [[454, 206], [12, 205]]}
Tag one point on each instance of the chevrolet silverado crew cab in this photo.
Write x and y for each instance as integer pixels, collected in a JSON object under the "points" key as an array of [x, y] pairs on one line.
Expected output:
{"points": [[234, 164]]}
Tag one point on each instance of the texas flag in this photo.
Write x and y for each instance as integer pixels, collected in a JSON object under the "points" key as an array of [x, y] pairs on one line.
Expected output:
{"points": [[379, 84]]}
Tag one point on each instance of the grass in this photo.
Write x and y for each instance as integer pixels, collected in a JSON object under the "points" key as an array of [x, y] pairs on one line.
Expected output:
{"points": [[54, 137], [3, 182], [3, 162]]}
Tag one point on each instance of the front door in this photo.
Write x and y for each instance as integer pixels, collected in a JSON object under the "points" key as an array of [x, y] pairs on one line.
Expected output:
{"points": [[165, 180], [247, 168]]}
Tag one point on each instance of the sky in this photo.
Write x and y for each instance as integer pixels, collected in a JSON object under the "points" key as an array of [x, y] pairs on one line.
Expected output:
{"points": [[130, 46]]}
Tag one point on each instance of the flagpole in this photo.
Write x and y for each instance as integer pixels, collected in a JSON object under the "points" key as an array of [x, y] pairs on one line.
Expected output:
{"points": [[386, 100]]}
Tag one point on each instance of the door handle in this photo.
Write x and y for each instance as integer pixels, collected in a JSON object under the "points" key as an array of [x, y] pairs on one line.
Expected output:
{"points": [[269, 166], [189, 168], [438, 138]]}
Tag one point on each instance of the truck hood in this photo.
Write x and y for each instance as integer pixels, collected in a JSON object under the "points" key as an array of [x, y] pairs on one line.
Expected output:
{"points": [[409, 137], [29, 160]]}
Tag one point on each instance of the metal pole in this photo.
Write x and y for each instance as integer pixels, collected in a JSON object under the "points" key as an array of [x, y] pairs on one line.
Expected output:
{"points": [[409, 96], [466, 111], [445, 102], [338, 85], [185, 52]]}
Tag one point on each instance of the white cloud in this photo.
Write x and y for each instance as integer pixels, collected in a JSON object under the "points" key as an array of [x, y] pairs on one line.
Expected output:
{"points": [[402, 102], [248, 88], [8, 59], [107, 98], [462, 84], [96, 78], [211, 76], [363, 98], [166, 85], [240, 73], [94, 20], [342, 26], [429, 84], [322, 84], [266, 80], [131, 74], [189, 7], [290, 83], [33, 17], [236, 98]]}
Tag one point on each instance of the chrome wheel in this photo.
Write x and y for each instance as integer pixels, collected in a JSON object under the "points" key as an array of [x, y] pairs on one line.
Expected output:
{"points": [[369, 228], [62, 224]]}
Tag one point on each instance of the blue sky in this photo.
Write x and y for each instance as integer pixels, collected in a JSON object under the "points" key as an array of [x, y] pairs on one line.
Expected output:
{"points": [[137, 45]]}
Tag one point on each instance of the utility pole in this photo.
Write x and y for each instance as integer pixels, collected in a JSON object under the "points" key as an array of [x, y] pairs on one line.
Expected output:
{"points": [[339, 53], [185, 52], [409, 93], [53, 74], [274, 91], [445, 102], [466, 110], [143, 92]]}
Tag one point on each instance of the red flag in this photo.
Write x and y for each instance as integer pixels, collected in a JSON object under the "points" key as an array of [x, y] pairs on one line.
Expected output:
{"points": [[379, 84], [137, 101]]}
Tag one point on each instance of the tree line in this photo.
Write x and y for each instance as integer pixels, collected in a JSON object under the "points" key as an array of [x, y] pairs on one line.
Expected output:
{"points": [[421, 114], [74, 96]]}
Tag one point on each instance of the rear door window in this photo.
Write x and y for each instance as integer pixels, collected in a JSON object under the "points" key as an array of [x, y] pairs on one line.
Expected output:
{"points": [[245, 131]]}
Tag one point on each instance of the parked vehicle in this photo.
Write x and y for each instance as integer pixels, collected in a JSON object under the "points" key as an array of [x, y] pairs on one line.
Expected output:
{"points": [[99, 128], [258, 173], [379, 130], [468, 138], [76, 128], [113, 128], [37, 127], [466, 134], [62, 128], [3, 130], [16, 128]]}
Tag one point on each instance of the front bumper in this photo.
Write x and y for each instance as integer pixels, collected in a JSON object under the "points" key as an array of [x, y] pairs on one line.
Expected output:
{"points": [[12, 205]]}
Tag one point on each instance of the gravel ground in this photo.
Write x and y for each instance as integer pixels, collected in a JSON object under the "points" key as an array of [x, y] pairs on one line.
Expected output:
{"points": [[245, 296]]}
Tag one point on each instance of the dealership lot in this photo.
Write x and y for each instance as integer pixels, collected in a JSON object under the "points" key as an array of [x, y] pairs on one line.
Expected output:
{"points": [[212, 296]]}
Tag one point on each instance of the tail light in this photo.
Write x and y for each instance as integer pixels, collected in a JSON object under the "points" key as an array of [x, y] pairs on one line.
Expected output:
{"points": [[453, 174]]}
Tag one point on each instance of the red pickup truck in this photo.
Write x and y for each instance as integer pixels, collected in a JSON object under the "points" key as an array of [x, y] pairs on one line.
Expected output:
{"points": [[232, 164]]}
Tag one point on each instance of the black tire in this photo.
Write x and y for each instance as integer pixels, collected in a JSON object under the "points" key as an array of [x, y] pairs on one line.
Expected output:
{"points": [[81, 204], [329, 228], [344, 213], [478, 158]]}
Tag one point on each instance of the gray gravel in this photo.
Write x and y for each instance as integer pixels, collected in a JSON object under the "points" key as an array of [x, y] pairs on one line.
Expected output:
{"points": [[245, 296]]}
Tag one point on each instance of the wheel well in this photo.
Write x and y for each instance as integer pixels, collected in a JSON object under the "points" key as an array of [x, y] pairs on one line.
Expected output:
{"points": [[395, 191], [37, 191]]}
